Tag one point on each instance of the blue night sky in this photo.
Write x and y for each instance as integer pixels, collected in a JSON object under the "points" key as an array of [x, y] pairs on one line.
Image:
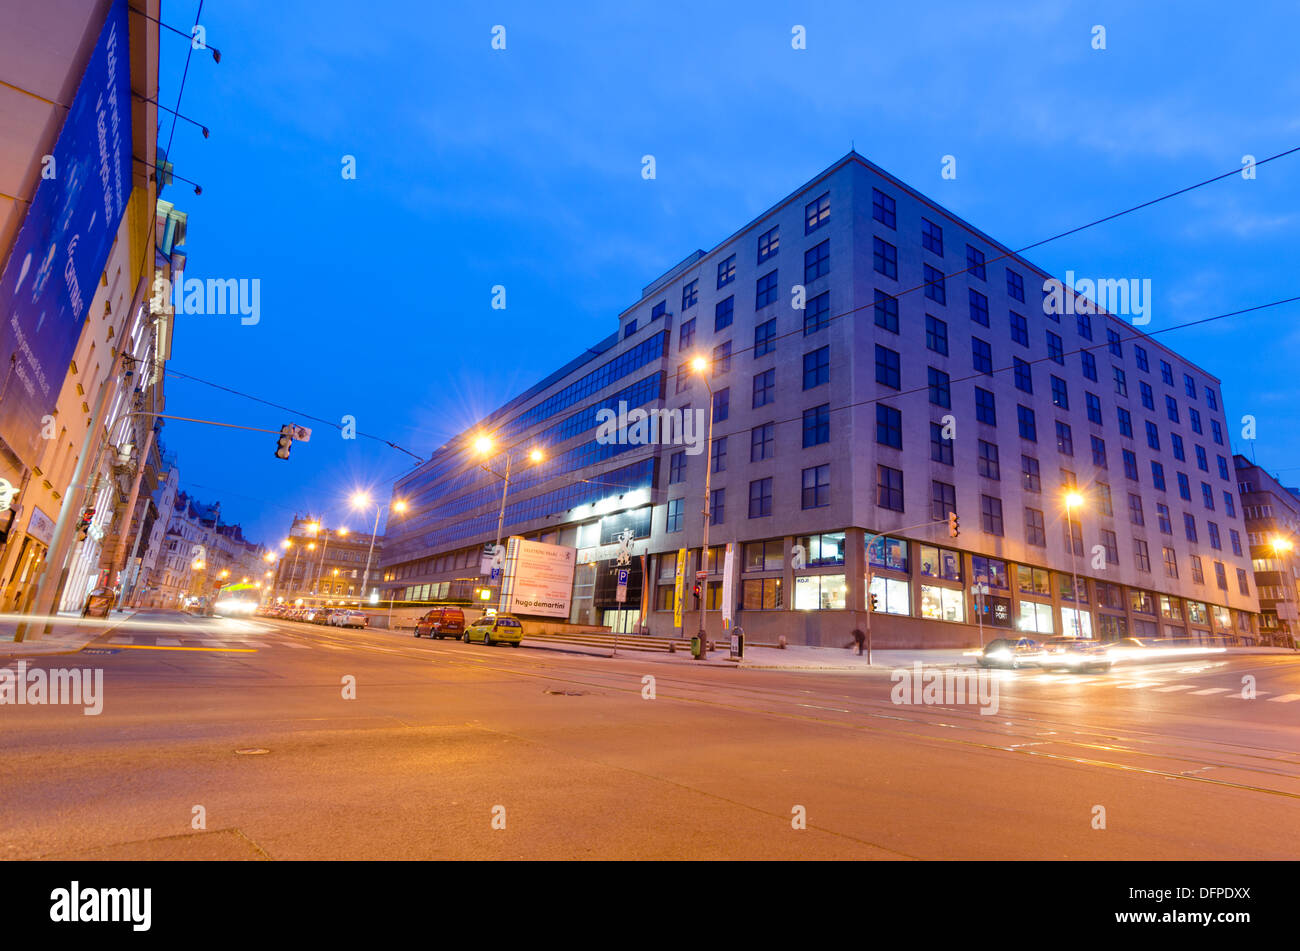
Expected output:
{"points": [[522, 167]]}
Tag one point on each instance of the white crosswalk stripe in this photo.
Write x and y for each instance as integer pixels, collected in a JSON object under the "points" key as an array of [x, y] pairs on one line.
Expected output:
{"points": [[1286, 698], [1172, 688], [1138, 685], [1209, 690], [168, 642], [121, 639]]}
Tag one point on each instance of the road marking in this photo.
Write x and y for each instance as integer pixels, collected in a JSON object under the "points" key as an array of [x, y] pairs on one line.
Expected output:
{"points": [[1258, 693], [121, 639], [1173, 688], [167, 641], [1286, 698], [1139, 685], [1209, 690], [154, 647]]}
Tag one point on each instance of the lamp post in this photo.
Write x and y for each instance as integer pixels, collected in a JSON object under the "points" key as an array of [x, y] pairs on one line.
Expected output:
{"points": [[1073, 499], [483, 446], [700, 365], [1282, 547], [361, 500]]}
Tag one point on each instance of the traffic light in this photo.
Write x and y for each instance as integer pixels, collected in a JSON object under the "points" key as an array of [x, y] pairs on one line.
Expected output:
{"points": [[286, 440], [954, 528], [875, 606], [695, 591], [83, 522]]}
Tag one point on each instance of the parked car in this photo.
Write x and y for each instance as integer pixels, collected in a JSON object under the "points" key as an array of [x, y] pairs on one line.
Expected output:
{"points": [[496, 629], [352, 619], [440, 623], [99, 603], [1011, 652]]}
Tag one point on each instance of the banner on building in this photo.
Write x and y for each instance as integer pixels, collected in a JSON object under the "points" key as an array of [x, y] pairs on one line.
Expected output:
{"points": [[53, 270], [679, 587], [728, 595], [538, 578]]}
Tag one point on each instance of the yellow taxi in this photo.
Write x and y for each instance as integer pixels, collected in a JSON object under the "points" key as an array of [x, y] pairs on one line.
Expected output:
{"points": [[495, 629]]}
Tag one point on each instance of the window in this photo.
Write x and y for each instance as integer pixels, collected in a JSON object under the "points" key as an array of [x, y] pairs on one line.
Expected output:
{"points": [[717, 506], [817, 314], [936, 335], [726, 271], [720, 454], [1166, 373], [1135, 509], [889, 488], [817, 487], [1202, 462], [931, 237], [817, 261], [1189, 386], [1176, 441], [1121, 382], [1162, 518], [1113, 343], [1140, 355], [940, 391], [1223, 469], [987, 465], [1089, 365], [884, 256], [1141, 557], [1217, 430], [1084, 323], [690, 294], [1030, 480], [1213, 529], [985, 409], [1125, 422], [764, 387], [1015, 286], [1098, 452], [975, 262], [1220, 578], [1184, 487], [722, 358], [1210, 400], [886, 311], [1019, 329], [942, 604], [761, 594], [686, 335], [1229, 505], [765, 290], [887, 367], [1055, 348], [1171, 562], [1234, 537], [677, 467], [889, 426], [1194, 415], [883, 209], [658, 310], [1130, 465], [1153, 436], [761, 442], [1171, 409], [723, 312], [1198, 575], [1148, 397], [769, 243], [1207, 496], [979, 307], [674, 523], [1025, 420], [991, 515], [721, 404], [940, 448], [1035, 530], [940, 563], [760, 498], [1023, 375], [765, 338], [817, 425], [1189, 526], [934, 285], [1064, 439], [1094, 407], [943, 499], [1244, 587], [1073, 529], [1111, 544], [1158, 475], [1060, 393], [981, 355], [630, 329], [816, 367], [816, 213]]}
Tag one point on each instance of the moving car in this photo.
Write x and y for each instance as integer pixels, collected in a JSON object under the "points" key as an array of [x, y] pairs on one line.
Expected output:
{"points": [[1011, 652], [440, 623], [1074, 653], [497, 629]]}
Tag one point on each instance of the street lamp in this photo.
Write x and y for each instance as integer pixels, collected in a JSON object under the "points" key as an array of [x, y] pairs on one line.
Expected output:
{"points": [[483, 446], [361, 500], [1282, 547], [1074, 500], [700, 366]]}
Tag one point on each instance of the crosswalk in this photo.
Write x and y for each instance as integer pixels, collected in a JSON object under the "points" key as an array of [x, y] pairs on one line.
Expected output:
{"points": [[1161, 686], [202, 643]]}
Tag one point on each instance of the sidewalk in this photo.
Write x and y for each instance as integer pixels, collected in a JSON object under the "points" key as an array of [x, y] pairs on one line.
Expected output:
{"points": [[69, 634]]}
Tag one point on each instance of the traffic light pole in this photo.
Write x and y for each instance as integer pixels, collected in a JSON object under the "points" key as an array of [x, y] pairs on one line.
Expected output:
{"points": [[870, 536]]}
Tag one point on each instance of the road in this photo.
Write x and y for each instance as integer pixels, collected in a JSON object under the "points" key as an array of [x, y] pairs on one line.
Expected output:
{"points": [[444, 741]]}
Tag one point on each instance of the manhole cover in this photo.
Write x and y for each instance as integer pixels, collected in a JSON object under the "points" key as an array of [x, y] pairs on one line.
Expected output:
{"points": [[566, 693], [251, 751]]}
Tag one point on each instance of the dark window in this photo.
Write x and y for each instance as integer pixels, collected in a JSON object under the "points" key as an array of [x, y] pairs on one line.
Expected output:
{"points": [[889, 488], [676, 467], [1084, 322], [1089, 365], [762, 442], [818, 313], [981, 356], [940, 391], [1055, 349], [991, 514], [988, 461], [1158, 476], [975, 262], [934, 284], [817, 262], [721, 404], [1030, 478], [885, 258], [886, 311], [943, 499], [690, 294], [1024, 376], [1140, 355], [1035, 531], [1019, 329], [1121, 381], [723, 311], [979, 307], [720, 454], [765, 338], [816, 367], [817, 487], [1147, 396], [717, 506], [887, 367], [936, 335], [1135, 509], [1060, 393], [1171, 409], [1153, 436], [1015, 286], [658, 310], [883, 209], [889, 426], [1099, 452], [764, 387], [686, 334], [931, 237], [760, 498], [1125, 421], [1130, 465], [722, 358], [1064, 439], [1113, 344], [1166, 373], [1028, 426], [765, 290], [817, 425], [985, 408], [1094, 407], [940, 448], [674, 522]]}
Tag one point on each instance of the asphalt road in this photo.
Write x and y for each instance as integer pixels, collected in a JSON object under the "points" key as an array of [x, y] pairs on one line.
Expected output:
{"points": [[444, 741]]}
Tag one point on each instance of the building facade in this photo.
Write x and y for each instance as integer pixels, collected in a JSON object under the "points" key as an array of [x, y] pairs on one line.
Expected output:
{"points": [[1272, 513], [872, 363], [323, 565]]}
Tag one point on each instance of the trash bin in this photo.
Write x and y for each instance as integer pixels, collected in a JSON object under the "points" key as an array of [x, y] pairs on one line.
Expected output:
{"points": [[737, 642], [695, 646]]}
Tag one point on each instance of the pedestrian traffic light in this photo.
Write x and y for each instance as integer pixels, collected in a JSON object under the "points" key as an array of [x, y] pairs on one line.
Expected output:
{"points": [[695, 591], [875, 606], [286, 440], [83, 522], [954, 528]]}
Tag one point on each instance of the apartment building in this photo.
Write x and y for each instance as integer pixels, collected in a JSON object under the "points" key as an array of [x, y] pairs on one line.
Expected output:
{"points": [[1272, 514]]}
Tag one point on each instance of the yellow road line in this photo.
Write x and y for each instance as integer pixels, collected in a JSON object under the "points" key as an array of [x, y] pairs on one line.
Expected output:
{"points": [[152, 647]]}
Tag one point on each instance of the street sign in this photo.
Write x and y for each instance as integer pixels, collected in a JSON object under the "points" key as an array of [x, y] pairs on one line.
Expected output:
{"points": [[495, 575], [621, 594]]}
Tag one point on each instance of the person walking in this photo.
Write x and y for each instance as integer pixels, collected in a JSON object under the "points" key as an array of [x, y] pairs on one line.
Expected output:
{"points": [[860, 637]]}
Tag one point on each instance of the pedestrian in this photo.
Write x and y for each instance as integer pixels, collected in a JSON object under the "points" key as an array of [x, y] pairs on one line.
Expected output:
{"points": [[860, 636]]}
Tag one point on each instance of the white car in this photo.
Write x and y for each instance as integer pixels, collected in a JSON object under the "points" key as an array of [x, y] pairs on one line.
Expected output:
{"points": [[351, 619]]}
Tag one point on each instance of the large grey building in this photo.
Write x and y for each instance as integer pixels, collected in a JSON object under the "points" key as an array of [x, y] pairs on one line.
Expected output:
{"points": [[875, 363]]}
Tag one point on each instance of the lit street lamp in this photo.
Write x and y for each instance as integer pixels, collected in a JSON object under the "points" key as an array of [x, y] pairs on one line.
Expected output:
{"points": [[1072, 501], [1282, 552], [359, 501], [700, 365], [483, 446]]}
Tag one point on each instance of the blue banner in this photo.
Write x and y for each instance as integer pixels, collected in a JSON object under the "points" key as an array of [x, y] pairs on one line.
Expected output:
{"points": [[53, 270]]}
